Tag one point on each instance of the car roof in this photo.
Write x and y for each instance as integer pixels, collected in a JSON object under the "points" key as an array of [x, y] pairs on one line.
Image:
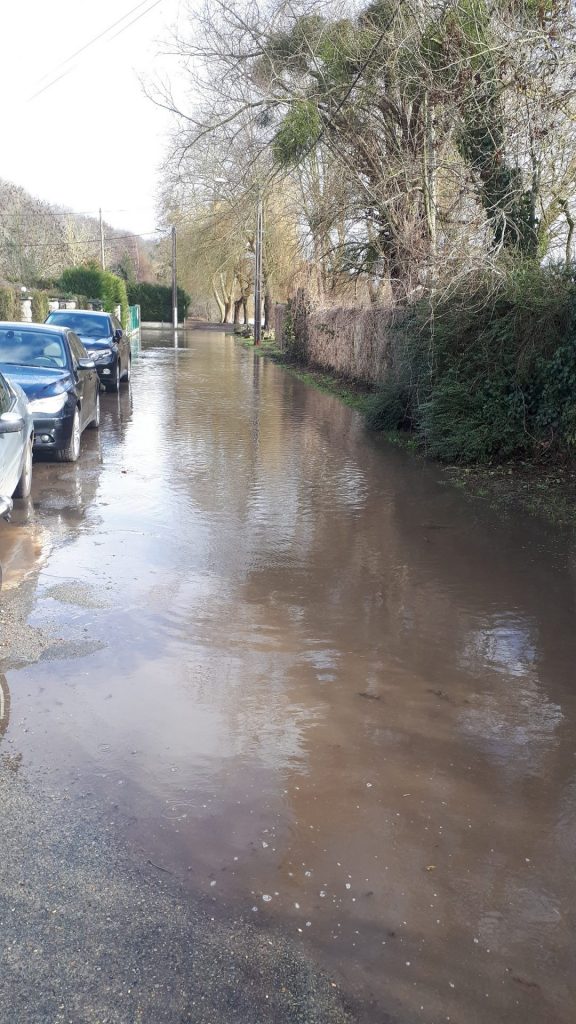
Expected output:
{"points": [[85, 312], [48, 328]]}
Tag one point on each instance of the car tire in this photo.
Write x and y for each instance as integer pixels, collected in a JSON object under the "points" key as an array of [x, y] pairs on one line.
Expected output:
{"points": [[95, 423], [128, 373], [72, 450], [113, 386], [24, 485]]}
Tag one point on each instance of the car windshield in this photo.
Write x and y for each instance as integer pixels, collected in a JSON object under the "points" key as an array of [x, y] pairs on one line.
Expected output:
{"points": [[96, 327], [31, 348]]}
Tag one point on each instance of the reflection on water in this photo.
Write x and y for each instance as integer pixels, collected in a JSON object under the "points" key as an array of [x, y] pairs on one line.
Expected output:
{"points": [[24, 544], [506, 646], [334, 695]]}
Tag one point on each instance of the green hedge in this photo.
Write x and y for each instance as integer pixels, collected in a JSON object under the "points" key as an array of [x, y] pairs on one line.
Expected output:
{"points": [[10, 304], [97, 284], [40, 305], [487, 371], [155, 301]]}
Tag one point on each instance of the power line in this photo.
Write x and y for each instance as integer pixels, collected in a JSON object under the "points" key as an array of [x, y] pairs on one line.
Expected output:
{"points": [[29, 214], [85, 241], [92, 42], [134, 20]]}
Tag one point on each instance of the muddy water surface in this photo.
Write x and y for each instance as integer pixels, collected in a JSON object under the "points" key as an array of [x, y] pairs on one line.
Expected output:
{"points": [[319, 687]]}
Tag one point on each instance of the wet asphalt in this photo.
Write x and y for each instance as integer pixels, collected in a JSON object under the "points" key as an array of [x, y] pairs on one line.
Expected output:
{"points": [[287, 725], [89, 934]]}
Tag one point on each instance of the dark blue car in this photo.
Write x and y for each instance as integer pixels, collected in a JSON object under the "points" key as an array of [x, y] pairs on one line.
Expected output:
{"points": [[59, 380], [104, 340]]}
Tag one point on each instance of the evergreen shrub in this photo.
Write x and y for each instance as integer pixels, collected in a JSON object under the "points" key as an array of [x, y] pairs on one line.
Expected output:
{"points": [[40, 305], [155, 301], [98, 284], [10, 304], [488, 369]]}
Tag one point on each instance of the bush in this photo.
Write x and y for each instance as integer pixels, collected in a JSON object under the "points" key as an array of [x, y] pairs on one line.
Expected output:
{"points": [[45, 284], [98, 284], [489, 369], [155, 301], [295, 327], [10, 304], [114, 294], [40, 306], [394, 406], [86, 280]]}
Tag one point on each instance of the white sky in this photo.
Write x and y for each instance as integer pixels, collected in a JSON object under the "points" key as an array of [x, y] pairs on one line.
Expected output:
{"points": [[111, 134]]}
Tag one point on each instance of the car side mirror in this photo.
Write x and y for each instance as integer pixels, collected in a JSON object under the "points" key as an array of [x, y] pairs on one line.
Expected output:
{"points": [[118, 334], [86, 364], [11, 423]]}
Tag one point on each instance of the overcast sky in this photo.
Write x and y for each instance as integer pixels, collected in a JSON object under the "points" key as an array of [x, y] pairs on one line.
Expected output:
{"points": [[108, 138]]}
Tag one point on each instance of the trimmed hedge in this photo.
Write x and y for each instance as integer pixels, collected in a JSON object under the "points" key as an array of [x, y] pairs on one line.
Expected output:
{"points": [[97, 284], [155, 301]]}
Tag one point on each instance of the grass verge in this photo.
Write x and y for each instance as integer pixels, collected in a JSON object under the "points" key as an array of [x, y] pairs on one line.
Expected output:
{"points": [[354, 395], [544, 490]]}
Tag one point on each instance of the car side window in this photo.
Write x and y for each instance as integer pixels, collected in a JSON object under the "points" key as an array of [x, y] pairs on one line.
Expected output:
{"points": [[78, 350], [5, 397], [116, 325]]}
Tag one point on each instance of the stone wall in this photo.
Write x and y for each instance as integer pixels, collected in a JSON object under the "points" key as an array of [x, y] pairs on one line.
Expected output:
{"points": [[353, 342]]}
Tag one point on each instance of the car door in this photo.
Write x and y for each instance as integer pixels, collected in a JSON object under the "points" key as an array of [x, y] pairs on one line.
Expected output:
{"points": [[86, 380], [11, 445]]}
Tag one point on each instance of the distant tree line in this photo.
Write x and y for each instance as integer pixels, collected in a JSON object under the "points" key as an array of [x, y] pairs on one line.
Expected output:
{"points": [[39, 240]]}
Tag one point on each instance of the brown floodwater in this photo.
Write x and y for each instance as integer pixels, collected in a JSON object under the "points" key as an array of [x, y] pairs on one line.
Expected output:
{"points": [[320, 686]]}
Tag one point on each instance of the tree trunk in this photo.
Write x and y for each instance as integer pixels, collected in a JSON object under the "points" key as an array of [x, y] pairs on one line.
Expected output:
{"points": [[237, 307], [429, 183], [227, 294], [219, 302], [267, 310], [245, 308]]}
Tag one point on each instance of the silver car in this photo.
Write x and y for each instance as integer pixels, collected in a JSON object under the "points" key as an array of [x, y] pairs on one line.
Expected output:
{"points": [[16, 441]]}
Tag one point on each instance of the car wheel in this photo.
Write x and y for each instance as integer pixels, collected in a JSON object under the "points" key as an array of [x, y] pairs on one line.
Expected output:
{"points": [[24, 485], [95, 423], [72, 450], [114, 385], [128, 372]]}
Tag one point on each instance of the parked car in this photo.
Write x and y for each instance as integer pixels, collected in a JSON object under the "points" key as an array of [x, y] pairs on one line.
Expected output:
{"points": [[104, 340], [60, 381], [16, 441]]}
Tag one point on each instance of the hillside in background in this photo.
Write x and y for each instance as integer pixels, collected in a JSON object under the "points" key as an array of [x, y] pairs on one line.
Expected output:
{"points": [[39, 240]]}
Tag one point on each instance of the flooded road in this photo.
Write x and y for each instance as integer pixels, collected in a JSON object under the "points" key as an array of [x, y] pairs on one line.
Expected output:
{"points": [[309, 685]]}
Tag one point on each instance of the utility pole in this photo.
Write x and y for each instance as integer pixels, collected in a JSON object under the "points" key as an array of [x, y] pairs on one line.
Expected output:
{"points": [[102, 255], [258, 272], [174, 282]]}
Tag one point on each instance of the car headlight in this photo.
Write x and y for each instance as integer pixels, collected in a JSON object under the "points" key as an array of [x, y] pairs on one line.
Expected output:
{"points": [[50, 405], [100, 355]]}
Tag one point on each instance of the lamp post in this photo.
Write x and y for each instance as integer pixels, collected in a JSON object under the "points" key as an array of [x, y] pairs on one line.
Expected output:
{"points": [[102, 252]]}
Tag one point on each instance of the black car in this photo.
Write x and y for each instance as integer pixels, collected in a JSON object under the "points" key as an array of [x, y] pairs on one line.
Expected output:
{"points": [[60, 382], [104, 340]]}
